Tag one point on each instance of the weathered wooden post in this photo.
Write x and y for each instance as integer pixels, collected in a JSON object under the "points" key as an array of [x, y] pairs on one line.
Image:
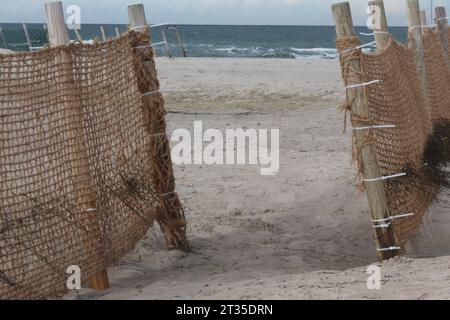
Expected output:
{"points": [[442, 26], [180, 42], [46, 33], [27, 36], [58, 35], [431, 11], [102, 30], [5, 44], [137, 19], [423, 17], [79, 37], [415, 35], [162, 174], [166, 44], [381, 35], [376, 193], [117, 32]]}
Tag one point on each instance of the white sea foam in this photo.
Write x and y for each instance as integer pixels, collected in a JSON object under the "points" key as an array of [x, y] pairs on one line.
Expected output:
{"points": [[315, 53], [205, 50], [88, 41]]}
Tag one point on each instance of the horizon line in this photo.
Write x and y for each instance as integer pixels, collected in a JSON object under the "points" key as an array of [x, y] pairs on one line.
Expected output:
{"points": [[217, 24]]}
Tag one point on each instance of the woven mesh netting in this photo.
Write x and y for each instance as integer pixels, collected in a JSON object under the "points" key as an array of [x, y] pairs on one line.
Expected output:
{"points": [[398, 100], [85, 162]]}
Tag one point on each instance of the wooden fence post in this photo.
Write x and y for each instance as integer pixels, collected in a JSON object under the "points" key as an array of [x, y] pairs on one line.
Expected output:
{"points": [[79, 37], [166, 44], [27, 36], [442, 26], [180, 42], [381, 37], [46, 33], [117, 32], [423, 17], [136, 18], [58, 35], [102, 30], [415, 35], [162, 174], [2, 37], [376, 193]]}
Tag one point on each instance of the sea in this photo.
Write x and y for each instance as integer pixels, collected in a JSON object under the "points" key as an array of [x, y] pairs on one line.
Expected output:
{"points": [[228, 41]]}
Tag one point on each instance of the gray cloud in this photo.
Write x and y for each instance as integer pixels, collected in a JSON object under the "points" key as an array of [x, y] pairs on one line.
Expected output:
{"points": [[281, 12]]}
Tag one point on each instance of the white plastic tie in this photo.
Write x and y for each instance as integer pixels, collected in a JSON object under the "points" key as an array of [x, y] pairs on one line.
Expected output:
{"points": [[362, 84], [385, 177], [389, 249], [370, 44], [150, 93], [138, 27], [426, 26], [143, 47], [161, 25], [374, 33], [158, 44], [152, 26], [150, 45], [380, 126], [382, 226], [391, 218]]}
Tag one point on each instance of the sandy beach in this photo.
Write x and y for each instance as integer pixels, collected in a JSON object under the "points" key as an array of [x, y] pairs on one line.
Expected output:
{"points": [[304, 233]]}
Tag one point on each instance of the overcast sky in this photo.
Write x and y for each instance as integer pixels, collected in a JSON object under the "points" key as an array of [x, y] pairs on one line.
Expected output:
{"points": [[271, 12]]}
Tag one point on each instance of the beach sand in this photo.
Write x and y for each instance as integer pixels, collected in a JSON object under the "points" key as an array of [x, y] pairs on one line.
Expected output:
{"points": [[302, 234], [6, 51]]}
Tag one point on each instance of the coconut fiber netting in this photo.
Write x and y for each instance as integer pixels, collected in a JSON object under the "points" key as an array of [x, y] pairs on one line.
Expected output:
{"points": [[414, 135], [85, 165]]}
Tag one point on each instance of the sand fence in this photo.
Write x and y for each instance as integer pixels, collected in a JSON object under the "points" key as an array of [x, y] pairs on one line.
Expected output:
{"points": [[84, 160], [399, 103]]}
